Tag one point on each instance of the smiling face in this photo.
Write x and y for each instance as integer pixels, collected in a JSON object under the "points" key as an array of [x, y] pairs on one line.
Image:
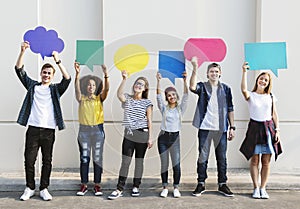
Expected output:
{"points": [[171, 97], [91, 87], [47, 75], [213, 74], [263, 83], [139, 86]]}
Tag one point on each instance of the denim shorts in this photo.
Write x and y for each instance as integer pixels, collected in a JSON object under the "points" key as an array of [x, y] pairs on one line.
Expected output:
{"points": [[265, 148]]}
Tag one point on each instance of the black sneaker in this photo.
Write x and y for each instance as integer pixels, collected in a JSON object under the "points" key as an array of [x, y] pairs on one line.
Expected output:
{"points": [[199, 190], [224, 189]]}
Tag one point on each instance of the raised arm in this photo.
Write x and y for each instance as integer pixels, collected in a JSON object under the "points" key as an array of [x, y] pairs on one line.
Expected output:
{"points": [[244, 87], [158, 78], [185, 87], [120, 91], [77, 81], [19, 62], [106, 83], [193, 79], [63, 70], [184, 100]]}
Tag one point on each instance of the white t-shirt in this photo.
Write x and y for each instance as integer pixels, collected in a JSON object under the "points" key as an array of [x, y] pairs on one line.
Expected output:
{"points": [[260, 106], [42, 110], [211, 118]]}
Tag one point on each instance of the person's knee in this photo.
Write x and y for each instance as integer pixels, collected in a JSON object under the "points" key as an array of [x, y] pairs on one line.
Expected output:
{"points": [[265, 160], [254, 160]]}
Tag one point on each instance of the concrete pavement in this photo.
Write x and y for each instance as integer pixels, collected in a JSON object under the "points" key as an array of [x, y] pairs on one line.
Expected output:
{"points": [[284, 191]]}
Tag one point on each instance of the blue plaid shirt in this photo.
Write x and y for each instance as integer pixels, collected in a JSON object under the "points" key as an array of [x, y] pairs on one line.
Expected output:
{"points": [[57, 90], [225, 104]]}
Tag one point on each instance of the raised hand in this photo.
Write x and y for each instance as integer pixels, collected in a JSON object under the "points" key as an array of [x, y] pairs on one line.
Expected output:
{"points": [[194, 62], [124, 74], [77, 67], [245, 67], [158, 76], [104, 69], [24, 45]]}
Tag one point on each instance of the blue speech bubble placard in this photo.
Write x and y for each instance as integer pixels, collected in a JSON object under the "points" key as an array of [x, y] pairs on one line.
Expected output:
{"points": [[266, 55], [44, 41], [171, 64], [90, 52]]}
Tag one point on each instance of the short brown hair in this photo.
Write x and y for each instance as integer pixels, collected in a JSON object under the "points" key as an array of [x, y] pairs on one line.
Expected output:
{"points": [[48, 65], [213, 65]]}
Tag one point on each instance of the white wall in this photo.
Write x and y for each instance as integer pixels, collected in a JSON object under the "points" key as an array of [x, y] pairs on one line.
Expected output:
{"points": [[157, 25], [279, 22]]}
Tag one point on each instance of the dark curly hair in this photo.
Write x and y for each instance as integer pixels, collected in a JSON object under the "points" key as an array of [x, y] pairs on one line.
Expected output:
{"points": [[84, 82]]}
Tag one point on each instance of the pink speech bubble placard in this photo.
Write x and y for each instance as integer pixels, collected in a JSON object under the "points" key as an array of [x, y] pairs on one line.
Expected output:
{"points": [[205, 49]]}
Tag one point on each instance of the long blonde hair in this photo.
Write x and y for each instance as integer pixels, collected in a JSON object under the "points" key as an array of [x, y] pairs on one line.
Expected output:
{"points": [[268, 88]]}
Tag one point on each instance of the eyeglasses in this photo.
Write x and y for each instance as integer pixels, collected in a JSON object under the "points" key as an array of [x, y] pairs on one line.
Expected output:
{"points": [[139, 84], [46, 73]]}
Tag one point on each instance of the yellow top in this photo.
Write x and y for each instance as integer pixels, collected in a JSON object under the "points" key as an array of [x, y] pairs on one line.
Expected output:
{"points": [[90, 111]]}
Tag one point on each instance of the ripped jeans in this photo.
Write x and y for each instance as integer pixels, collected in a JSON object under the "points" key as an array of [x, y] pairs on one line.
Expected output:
{"points": [[91, 141]]}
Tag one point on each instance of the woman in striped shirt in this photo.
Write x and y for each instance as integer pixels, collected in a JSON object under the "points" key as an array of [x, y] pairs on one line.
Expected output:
{"points": [[137, 133]]}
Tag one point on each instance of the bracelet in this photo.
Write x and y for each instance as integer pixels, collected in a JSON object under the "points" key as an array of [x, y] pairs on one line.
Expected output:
{"points": [[277, 129], [232, 127], [58, 62], [106, 76]]}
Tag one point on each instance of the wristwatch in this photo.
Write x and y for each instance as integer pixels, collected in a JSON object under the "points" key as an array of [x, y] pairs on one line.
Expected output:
{"points": [[232, 127]]}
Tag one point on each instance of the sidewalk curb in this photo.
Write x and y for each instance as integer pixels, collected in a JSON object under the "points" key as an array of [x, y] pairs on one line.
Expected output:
{"points": [[70, 181]]}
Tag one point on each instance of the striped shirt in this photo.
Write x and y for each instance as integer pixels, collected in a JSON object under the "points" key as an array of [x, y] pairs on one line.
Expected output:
{"points": [[135, 116]]}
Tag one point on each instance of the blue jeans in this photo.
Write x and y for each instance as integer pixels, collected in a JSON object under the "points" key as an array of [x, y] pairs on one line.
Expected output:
{"points": [[220, 143], [133, 142], [169, 145], [38, 138], [91, 140]]}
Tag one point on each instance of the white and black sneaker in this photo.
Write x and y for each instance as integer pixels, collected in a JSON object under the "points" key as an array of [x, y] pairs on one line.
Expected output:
{"points": [[135, 192], [115, 194]]}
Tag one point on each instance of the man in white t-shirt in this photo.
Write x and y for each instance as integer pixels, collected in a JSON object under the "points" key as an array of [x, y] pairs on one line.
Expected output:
{"points": [[41, 111], [213, 113]]}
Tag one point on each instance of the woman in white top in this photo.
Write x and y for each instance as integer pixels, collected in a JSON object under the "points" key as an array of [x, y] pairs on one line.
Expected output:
{"points": [[262, 128], [169, 139]]}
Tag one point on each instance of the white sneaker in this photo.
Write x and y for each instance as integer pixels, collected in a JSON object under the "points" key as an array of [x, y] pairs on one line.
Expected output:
{"points": [[115, 194], [135, 192], [45, 195], [164, 193], [176, 193], [27, 194], [264, 194], [256, 193]]}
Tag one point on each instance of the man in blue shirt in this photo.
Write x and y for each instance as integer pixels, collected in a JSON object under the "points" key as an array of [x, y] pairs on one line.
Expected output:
{"points": [[41, 111], [213, 112]]}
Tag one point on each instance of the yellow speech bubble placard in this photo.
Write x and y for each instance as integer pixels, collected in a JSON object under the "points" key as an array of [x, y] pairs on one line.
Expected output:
{"points": [[132, 58]]}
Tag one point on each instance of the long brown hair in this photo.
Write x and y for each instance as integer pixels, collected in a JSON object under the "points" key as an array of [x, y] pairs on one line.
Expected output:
{"points": [[146, 91], [269, 87], [84, 82]]}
